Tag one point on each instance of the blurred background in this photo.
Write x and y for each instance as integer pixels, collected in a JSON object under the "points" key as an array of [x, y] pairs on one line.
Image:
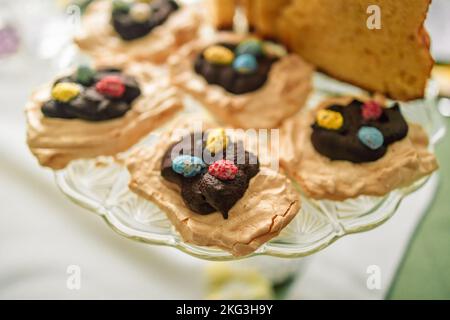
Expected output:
{"points": [[44, 237]]}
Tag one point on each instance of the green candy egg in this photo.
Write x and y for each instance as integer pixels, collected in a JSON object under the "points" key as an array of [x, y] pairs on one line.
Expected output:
{"points": [[85, 75], [251, 46], [121, 6]]}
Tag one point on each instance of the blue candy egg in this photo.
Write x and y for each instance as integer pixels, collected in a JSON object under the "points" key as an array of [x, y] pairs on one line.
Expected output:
{"points": [[245, 63], [371, 137], [252, 46], [188, 166]]}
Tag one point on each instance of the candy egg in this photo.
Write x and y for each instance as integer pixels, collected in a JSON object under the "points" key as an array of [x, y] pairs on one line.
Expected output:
{"points": [[223, 170], [371, 137], [245, 63], [251, 46], [217, 141], [371, 110], [219, 55], [329, 119], [85, 75], [65, 91], [111, 86], [188, 166], [121, 6], [272, 49], [140, 12]]}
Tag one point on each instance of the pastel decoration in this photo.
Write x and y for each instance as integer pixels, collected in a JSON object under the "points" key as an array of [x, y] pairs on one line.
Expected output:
{"points": [[329, 119], [121, 6], [219, 55], [371, 137], [371, 110], [250, 46], [65, 91], [223, 170], [188, 166], [140, 12], [217, 141], [85, 75], [111, 86], [245, 64]]}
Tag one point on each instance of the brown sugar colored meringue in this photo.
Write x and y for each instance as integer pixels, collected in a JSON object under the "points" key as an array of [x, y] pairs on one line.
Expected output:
{"points": [[55, 142], [268, 205], [284, 93], [99, 39], [405, 162]]}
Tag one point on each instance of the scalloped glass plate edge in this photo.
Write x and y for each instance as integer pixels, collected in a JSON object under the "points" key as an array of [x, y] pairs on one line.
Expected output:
{"points": [[380, 213]]}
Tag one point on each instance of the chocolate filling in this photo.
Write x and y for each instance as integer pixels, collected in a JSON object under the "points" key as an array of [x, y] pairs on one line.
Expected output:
{"points": [[344, 144], [230, 79], [89, 104], [204, 193], [128, 29]]}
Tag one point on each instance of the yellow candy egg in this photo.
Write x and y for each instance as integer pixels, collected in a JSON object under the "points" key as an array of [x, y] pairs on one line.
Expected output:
{"points": [[217, 140], [219, 55], [329, 119], [65, 91]]}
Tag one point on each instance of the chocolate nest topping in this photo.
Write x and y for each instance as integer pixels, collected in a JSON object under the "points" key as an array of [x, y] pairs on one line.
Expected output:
{"points": [[344, 144], [90, 105], [204, 193], [129, 29], [230, 79]]}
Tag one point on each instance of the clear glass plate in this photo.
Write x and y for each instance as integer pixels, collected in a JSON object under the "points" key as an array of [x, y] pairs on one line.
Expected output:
{"points": [[101, 185]]}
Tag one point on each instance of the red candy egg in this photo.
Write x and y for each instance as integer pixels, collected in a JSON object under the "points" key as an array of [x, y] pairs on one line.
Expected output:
{"points": [[223, 170], [371, 110], [111, 86]]}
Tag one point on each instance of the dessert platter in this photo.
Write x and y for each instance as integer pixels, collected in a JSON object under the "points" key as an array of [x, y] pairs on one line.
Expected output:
{"points": [[229, 145], [104, 190]]}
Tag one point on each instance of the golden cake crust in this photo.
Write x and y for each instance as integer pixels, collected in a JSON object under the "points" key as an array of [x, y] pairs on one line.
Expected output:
{"points": [[267, 206], [221, 13], [284, 93], [98, 38], [333, 35], [406, 161], [56, 142], [263, 16]]}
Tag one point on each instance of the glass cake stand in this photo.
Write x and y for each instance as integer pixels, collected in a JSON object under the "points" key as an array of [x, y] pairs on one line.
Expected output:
{"points": [[101, 186]]}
